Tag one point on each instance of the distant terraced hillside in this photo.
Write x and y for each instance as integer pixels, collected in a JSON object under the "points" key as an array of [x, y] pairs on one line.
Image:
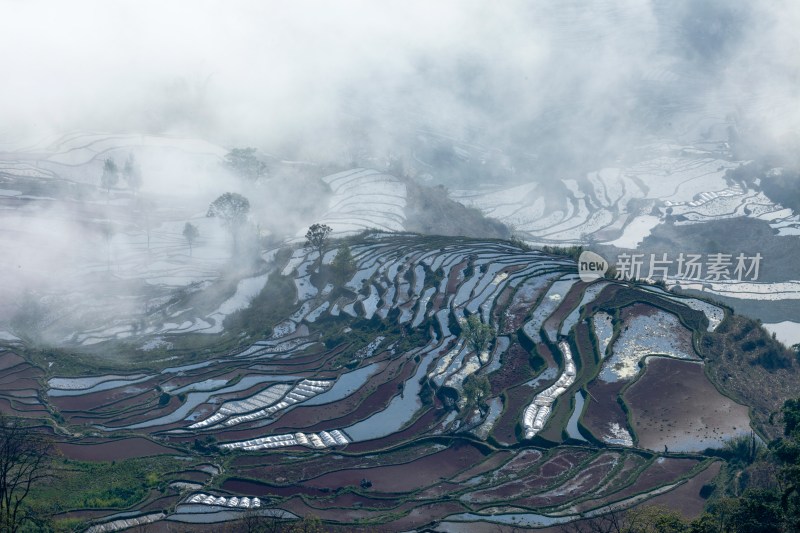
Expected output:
{"points": [[79, 252], [358, 405]]}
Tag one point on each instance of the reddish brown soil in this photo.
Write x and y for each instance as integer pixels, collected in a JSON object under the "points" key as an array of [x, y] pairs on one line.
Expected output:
{"points": [[424, 514], [515, 368], [299, 507], [492, 463], [159, 504], [673, 404], [421, 426], [15, 377], [455, 277], [624, 476], [144, 414], [9, 406], [90, 402], [406, 477], [254, 488], [350, 499], [519, 308], [9, 360], [662, 471], [686, 498], [541, 478], [589, 478], [372, 398], [567, 305], [523, 460], [113, 450], [517, 398], [602, 409], [500, 305], [196, 476], [285, 472]]}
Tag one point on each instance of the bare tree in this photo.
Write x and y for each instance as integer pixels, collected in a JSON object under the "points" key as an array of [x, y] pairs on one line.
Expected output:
{"points": [[190, 233], [25, 455]]}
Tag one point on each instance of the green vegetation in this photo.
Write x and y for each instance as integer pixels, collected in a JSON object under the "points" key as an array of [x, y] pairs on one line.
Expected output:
{"points": [[136, 483], [343, 266], [745, 362], [478, 334], [759, 492], [476, 391], [103, 485], [747, 338], [431, 211], [273, 304], [573, 252]]}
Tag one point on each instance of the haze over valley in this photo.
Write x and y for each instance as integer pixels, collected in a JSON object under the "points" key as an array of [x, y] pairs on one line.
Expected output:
{"points": [[311, 266]]}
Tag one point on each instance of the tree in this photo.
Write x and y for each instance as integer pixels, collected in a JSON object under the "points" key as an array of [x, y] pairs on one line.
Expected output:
{"points": [[343, 266], [132, 173], [317, 238], [477, 333], [110, 175], [476, 390], [244, 163], [25, 455], [190, 233], [232, 209]]}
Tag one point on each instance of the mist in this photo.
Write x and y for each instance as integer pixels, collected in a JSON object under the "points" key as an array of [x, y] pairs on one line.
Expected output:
{"points": [[521, 91], [318, 80]]}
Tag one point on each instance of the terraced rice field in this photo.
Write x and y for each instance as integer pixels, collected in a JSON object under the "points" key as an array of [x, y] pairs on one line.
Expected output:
{"points": [[353, 408], [667, 184]]}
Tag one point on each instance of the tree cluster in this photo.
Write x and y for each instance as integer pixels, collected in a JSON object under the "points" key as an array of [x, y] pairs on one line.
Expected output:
{"points": [[343, 266], [764, 496], [131, 173]]}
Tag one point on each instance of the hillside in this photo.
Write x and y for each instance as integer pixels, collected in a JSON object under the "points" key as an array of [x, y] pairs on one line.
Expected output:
{"points": [[356, 394]]}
